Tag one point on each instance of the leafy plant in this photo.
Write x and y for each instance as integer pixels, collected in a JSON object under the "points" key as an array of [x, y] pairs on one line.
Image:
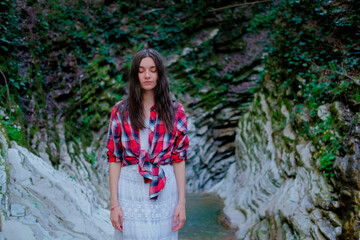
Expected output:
{"points": [[13, 130]]}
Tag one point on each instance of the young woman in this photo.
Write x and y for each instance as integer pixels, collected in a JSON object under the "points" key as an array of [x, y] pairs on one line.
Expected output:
{"points": [[147, 143]]}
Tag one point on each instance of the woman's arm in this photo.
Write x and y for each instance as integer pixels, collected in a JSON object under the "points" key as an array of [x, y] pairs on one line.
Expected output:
{"points": [[179, 157], [116, 213], [114, 158], [180, 213], [179, 169]]}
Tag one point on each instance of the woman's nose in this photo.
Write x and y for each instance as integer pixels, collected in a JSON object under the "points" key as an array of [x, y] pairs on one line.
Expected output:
{"points": [[147, 74]]}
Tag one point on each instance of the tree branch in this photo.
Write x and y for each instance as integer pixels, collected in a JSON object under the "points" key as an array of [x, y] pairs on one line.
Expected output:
{"points": [[7, 90], [237, 5]]}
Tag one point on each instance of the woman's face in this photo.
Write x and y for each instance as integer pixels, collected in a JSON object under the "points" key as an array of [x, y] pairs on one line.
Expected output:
{"points": [[147, 74]]}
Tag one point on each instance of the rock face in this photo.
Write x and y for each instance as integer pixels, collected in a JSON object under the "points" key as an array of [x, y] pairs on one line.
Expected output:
{"points": [[211, 151], [212, 129], [212, 135], [40, 202], [274, 190]]}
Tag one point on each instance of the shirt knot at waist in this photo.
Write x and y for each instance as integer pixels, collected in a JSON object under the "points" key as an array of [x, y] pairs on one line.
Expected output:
{"points": [[152, 174]]}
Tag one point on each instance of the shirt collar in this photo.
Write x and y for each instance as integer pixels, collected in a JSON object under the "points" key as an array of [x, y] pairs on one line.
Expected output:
{"points": [[152, 108]]}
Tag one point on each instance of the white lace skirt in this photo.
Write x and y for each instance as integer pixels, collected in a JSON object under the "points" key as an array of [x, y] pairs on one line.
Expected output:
{"points": [[144, 219]]}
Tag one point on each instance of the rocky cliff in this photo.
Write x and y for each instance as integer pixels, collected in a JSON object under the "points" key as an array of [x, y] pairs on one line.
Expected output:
{"points": [[275, 189], [40, 202], [296, 174]]}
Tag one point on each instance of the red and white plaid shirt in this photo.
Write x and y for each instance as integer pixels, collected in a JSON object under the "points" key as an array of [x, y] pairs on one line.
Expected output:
{"points": [[164, 147]]}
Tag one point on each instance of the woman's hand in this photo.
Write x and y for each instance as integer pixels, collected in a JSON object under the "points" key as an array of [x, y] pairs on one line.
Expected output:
{"points": [[115, 214], [180, 214]]}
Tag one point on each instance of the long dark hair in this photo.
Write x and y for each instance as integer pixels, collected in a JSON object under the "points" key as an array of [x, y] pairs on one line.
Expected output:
{"points": [[163, 102]]}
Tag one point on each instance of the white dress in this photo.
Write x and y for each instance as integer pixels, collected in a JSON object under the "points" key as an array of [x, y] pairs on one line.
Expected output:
{"points": [[145, 219]]}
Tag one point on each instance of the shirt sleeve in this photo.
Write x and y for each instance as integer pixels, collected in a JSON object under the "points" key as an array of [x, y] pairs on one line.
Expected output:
{"points": [[179, 152], [114, 138]]}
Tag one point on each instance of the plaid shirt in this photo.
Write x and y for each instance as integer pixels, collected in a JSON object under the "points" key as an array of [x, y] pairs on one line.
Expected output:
{"points": [[164, 147]]}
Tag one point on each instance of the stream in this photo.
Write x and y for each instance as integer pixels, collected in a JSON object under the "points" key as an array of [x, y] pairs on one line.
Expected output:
{"points": [[203, 211]]}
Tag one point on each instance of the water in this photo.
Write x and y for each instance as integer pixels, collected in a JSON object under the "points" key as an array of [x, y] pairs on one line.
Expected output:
{"points": [[202, 214]]}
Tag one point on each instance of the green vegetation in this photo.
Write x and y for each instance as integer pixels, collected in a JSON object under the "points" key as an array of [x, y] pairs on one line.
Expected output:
{"points": [[68, 60], [313, 58], [4, 193], [90, 157], [331, 143], [13, 131]]}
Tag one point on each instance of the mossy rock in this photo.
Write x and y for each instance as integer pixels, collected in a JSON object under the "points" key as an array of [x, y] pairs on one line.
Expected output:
{"points": [[342, 120], [95, 121]]}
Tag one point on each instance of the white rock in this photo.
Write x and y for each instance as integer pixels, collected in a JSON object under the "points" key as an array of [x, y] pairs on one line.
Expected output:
{"points": [[288, 132], [255, 186], [15, 230], [17, 210], [202, 130], [57, 207], [186, 51], [323, 112]]}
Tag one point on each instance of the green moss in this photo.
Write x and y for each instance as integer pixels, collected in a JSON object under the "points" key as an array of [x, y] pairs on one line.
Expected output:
{"points": [[257, 101], [90, 157], [54, 158], [89, 175], [13, 132], [298, 160], [278, 119], [337, 120], [7, 170], [33, 130]]}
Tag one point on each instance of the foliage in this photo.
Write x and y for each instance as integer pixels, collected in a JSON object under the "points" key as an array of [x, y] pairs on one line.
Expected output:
{"points": [[10, 38], [13, 127], [209, 67], [70, 58], [330, 144], [90, 157], [13, 131], [312, 58]]}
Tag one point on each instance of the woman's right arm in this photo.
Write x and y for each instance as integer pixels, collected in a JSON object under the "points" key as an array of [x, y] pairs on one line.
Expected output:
{"points": [[115, 160], [116, 213]]}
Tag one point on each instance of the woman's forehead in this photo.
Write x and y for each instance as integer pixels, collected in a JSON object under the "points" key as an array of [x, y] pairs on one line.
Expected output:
{"points": [[147, 62]]}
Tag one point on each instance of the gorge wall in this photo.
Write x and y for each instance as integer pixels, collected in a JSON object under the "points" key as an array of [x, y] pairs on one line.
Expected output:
{"points": [[275, 189], [40, 202], [296, 174]]}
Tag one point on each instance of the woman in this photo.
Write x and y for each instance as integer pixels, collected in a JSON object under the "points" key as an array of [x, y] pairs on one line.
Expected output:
{"points": [[147, 142]]}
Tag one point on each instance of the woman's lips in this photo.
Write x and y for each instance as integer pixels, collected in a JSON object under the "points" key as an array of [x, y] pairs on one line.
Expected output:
{"points": [[148, 82]]}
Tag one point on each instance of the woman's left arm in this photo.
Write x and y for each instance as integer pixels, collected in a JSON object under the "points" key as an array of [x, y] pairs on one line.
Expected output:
{"points": [[180, 213], [179, 157]]}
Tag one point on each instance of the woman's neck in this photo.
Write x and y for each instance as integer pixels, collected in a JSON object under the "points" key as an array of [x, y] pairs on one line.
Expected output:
{"points": [[148, 102]]}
